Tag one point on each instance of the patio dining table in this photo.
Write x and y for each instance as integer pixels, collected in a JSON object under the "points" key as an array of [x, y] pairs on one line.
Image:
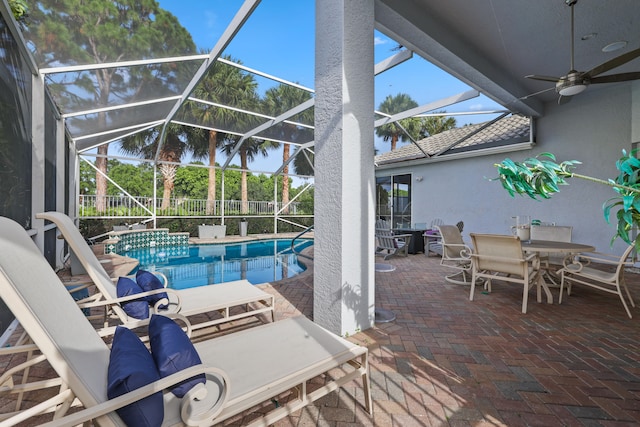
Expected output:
{"points": [[552, 246]]}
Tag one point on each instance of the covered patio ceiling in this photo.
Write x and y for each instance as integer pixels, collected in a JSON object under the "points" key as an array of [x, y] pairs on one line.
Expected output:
{"points": [[490, 45]]}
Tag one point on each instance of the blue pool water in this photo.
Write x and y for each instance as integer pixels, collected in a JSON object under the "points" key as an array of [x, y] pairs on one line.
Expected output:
{"points": [[199, 265]]}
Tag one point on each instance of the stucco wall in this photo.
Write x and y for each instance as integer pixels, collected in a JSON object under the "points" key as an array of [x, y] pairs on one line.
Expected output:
{"points": [[593, 128]]}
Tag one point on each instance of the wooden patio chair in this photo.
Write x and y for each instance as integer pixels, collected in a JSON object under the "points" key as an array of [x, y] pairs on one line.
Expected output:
{"points": [[500, 257], [608, 276], [390, 244]]}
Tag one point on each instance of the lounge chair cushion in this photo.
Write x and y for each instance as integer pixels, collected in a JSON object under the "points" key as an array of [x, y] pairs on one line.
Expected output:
{"points": [[150, 282], [131, 366], [173, 351], [136, 308]]}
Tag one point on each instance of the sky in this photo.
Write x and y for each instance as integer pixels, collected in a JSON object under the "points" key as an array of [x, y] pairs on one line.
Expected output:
{"points": [[278, 39]]}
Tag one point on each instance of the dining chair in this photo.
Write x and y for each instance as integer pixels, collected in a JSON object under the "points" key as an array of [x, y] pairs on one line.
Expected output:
{"points": [[557, 233], [455, 254], [500, 257], [595, 270]]}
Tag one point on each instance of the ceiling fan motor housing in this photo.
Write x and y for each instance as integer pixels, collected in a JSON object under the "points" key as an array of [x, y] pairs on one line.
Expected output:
{"points": [[573, 83]]}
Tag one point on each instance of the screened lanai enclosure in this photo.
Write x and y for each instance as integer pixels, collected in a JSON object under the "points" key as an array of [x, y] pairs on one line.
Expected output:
{"points": [[158, 127], [139, 110]]}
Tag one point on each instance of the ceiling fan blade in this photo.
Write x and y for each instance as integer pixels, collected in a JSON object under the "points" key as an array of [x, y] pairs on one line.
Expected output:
{"points": [[536, 93], [543, 78], [613, 78], [564, 99], [613, 63]]}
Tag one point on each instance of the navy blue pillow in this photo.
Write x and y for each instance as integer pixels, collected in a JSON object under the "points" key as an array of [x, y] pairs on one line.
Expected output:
{"points": [[173, 351], [130, 367], [138, 308], [149, 282]]}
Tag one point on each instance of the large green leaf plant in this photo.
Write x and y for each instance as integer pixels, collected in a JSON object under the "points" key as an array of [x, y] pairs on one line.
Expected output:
{"points": [[541, 177]]}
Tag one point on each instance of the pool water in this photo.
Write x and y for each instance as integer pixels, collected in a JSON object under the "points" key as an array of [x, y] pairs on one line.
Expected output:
{"points": [[199, 265]]}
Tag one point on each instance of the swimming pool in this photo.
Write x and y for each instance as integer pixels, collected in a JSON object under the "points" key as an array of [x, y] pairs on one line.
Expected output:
{"points": [[199, 265]]}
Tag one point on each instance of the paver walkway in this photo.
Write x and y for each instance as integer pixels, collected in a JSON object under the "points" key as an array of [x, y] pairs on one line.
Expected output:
{"points": [[446, 361]]}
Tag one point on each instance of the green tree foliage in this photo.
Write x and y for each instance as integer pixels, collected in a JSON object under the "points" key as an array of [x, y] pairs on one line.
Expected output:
{"points": [[88, 32], [191, 182], [276, 101], [226, 85], [135, 180], [434, 125], [19, 9], [179, 140], [391, 131], [541, 176]]}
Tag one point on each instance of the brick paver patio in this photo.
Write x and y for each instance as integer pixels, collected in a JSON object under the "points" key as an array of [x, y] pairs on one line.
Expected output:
{"points": [[446, 361]]}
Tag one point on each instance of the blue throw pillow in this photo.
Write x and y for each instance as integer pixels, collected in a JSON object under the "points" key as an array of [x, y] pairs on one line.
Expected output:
{"points": [[138, 308], [173, 351], [149, 282], [130, 367]]}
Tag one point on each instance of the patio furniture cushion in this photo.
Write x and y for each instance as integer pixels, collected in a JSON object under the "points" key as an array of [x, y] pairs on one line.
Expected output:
{"points": [[172, 351], [137, 308], [131, 367], [150, 282]]}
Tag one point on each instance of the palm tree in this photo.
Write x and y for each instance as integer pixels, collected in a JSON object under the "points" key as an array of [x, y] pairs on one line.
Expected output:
{"points": [[276, 101], [303, 162], [178, 141], [391, 131], [433, 125], [248, 151], [227, 85]]}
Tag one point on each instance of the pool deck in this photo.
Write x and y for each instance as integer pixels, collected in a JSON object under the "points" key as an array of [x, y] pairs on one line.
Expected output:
{"points": [[447, 361]]}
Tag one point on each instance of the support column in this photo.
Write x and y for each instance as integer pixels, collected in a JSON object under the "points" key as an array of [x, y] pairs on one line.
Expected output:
{"points": [[37, 157], [344, 281]]}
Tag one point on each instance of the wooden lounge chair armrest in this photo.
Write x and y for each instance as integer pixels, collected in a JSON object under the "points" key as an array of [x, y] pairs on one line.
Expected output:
{"points": [[192, 412]]}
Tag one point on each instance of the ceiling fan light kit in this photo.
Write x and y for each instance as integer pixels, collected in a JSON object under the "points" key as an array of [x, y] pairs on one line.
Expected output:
{"points": [[575, 82]]}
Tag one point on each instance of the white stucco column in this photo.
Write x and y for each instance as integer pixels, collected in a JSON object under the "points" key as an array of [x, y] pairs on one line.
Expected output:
{"points": [[37, 157], [344, 173]]}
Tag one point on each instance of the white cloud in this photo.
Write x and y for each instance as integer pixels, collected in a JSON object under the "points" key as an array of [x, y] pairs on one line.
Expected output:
{"points": [[476, 107], [379, 40]]}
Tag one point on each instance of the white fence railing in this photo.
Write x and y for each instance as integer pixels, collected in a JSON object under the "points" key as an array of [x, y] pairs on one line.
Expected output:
{"points": [[122, 207]]}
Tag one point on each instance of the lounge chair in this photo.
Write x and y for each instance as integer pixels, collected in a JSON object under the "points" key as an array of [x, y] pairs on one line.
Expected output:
{"points": [[246, 299], [244, 369]]}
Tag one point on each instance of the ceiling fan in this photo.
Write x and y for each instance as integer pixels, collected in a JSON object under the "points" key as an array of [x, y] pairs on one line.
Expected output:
{"points": [[575, 82]]}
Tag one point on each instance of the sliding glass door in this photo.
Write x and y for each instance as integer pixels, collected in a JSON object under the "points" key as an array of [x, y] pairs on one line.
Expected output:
{"points": [[393, 200]]}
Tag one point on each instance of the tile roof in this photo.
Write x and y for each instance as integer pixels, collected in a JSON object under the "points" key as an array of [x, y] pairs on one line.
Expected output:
{"points": [[508, 130]]}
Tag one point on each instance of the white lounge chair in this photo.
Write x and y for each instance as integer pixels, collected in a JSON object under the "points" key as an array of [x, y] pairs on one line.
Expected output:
{"points": [[247, 299], [243, 369]]}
